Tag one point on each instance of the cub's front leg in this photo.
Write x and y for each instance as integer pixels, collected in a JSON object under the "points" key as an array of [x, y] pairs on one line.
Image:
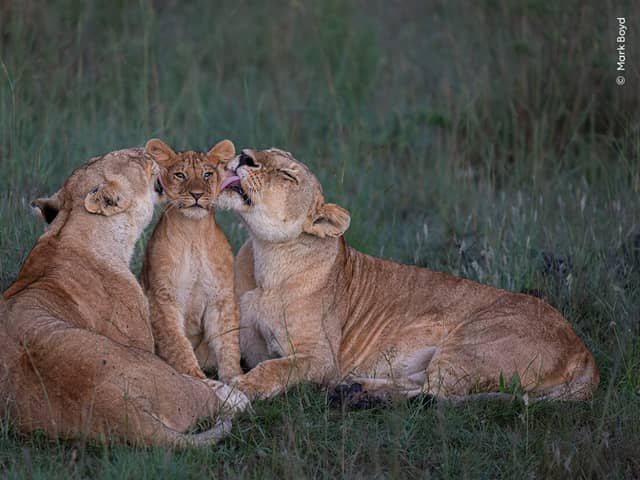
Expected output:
{"points": [[171, 343]]}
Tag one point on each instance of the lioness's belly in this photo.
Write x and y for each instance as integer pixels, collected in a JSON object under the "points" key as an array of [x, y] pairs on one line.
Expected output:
{"points": [[392, 346]]}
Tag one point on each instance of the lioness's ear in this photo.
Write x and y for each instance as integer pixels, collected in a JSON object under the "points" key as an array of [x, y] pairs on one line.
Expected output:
{"points": [[162, 153], [106, 199], [47, 207], [330, 220], [223, 150]]}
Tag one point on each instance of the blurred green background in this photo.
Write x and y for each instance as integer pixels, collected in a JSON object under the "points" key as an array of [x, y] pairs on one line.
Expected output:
{"points": [[487, 139]]}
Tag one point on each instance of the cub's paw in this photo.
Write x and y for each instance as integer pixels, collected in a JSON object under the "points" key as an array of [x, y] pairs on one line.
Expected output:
{"points": [[196, 372], [193, 372], [233, 400]]}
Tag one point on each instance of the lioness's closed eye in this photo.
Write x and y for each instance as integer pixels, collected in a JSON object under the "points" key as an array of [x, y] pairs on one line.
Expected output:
{"points": [[188, 266], [314, 309]]}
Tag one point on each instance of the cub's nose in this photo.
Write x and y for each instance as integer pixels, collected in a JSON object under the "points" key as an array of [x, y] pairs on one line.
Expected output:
{"points": [[196, 195]]}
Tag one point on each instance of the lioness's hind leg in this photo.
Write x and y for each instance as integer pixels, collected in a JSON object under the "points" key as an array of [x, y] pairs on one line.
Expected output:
{"points": [[93, 385], [383, 388], [444, 379]]}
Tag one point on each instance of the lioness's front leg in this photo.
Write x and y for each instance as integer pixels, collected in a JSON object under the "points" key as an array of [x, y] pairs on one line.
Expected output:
{"points": [[305, 352], [301, 333], [272, 377], [252, 344]]}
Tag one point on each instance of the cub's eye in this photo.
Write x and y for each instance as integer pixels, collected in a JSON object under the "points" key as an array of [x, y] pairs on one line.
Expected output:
{"points": [[180, 176], [207, 175]]}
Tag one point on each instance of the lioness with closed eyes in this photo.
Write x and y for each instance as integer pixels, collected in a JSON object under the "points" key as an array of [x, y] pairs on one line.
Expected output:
{"points": [[314, 309]]}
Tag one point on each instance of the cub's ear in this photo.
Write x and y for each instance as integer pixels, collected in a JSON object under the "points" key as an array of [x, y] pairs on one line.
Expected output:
{"points": [[162, 153], [223, 150], [330, 220], [47, 207], [106, 199]]}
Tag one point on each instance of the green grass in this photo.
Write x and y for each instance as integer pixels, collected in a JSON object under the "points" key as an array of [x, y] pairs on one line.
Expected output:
{"points": [[489, 141]]}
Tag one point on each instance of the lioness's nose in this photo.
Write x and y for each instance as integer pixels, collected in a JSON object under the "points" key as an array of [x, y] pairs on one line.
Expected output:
{"points": [[244, 159], [196, 195]]}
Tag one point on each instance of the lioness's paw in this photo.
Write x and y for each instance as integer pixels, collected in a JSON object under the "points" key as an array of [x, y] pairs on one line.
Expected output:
{"points": [[352, 396], [257, 390], [240, 382], [233, 400]]}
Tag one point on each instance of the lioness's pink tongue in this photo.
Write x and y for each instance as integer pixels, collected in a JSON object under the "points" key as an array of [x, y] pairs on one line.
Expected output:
{"points": [[232, 180]]}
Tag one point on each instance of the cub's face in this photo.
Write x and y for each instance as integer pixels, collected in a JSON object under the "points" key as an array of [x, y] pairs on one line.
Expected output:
{"points": [[278, 197], [190, 179]]}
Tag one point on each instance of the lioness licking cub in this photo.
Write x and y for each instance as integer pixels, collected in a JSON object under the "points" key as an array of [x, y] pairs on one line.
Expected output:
{"points": [[314, 309]]}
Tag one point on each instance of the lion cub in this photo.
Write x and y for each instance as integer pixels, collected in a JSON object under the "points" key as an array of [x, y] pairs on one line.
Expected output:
{"points": [[188, 266]]}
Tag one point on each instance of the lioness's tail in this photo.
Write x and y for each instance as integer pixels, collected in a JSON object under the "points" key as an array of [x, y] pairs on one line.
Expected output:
{"points": [[209, 437]]}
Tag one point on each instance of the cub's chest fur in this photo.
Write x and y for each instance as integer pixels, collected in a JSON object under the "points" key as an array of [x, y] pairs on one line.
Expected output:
{"points": [[196, 286], [188, 276], [194, 271]]}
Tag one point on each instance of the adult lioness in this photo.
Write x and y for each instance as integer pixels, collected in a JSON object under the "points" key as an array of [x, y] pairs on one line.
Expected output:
{"points": [[76, 350], [188, 266], [312, 308]]}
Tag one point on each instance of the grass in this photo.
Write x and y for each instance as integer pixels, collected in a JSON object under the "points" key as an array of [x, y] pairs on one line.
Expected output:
{"points": [[492, 143]]}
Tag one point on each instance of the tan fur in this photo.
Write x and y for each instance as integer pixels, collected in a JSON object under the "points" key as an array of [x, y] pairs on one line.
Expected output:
{"points": [[314, 309], [76, 356], [188, 267]]}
